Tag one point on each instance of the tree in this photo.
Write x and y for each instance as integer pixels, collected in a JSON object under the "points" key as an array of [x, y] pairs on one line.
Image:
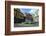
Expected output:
{"points": [[18, 13]]}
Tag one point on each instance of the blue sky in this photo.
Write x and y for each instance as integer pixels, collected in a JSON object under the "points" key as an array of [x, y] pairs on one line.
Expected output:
{"points": [[25, 10], [28, 10]]}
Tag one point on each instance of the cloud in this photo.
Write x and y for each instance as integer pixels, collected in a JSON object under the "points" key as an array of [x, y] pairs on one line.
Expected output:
{"points": [[31, 11]]}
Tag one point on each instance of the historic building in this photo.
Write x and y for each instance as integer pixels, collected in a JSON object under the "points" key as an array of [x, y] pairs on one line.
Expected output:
{"points": [[29, 18]]}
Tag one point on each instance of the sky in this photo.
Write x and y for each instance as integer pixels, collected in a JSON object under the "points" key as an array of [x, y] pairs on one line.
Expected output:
{"points": [[26, 10], [31, 11]]}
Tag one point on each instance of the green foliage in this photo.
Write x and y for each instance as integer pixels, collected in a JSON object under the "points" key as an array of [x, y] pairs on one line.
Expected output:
{"points": [[18, 13], [26, 23], [17, 10]]}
